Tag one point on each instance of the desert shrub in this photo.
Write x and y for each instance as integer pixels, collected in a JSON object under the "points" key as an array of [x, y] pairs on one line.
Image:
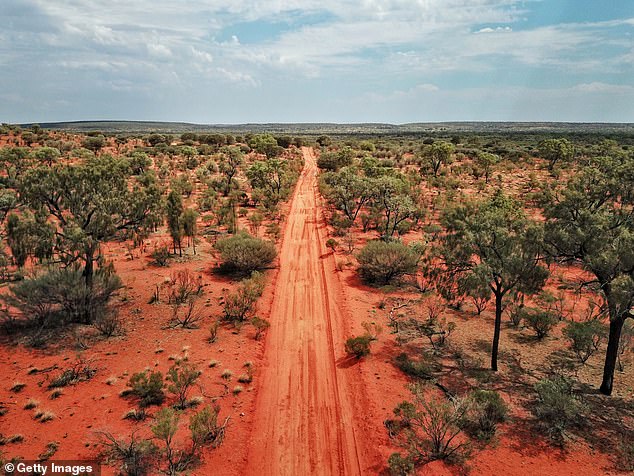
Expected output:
{"points": [[180, 379], [359, 346], [540, 321], [147, 387], [260, 325], [135, 457], [213, 332], [584, 337], [240, 304], [176, 460], [381, 262], [80, 371], [60, 296], [188, 318], [429, 428], [557, 406], [332, 244], [244, 253], [161, 255], [206, 429], [486, 411], [183, 286], [419, 369], [108, 323], [400, 466]]}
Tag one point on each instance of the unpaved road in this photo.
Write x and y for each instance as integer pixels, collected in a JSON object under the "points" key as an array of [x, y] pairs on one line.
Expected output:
{"points": [[303, 417]]}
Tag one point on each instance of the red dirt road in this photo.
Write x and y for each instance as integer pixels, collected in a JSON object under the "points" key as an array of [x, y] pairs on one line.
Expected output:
{"points": [[304, 413]]}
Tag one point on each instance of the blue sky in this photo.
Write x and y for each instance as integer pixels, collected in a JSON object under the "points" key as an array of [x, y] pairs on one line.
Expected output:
{"points": [[237, 61]]}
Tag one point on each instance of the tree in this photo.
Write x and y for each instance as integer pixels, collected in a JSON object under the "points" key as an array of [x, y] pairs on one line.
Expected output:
{"points": [[229, 163], [270, 176], [590, 222], [556, 150], [347, 191], [190, 228], [438, 154], [392, 197], [492, 243], [485, 162], [89, 203], [174, 212], [94, 143], [46, 155], [265, 144]]}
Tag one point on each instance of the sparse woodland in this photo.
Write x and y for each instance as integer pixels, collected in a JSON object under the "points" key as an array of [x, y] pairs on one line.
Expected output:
{"points": [[492, 277]]}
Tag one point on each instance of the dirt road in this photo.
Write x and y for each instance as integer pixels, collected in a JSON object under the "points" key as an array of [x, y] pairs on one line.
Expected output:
{"points": [[303, 417]]}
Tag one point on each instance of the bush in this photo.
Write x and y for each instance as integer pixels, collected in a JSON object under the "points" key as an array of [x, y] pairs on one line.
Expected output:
{"points": [[80, 371], [400, 466], [420, 369], [244, 253], [147, 387], [381, 262], [486, 411], [240, 305], [539, 321], [428, 429], [557, 407], [205, 428], [60, 296], [161, 255], [181, 379], [135, 457], [359, 346], [584, 337]]}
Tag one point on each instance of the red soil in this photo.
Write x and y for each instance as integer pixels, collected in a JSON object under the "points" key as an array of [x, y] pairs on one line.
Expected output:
{"points": [[304, 421], [312, 411]]}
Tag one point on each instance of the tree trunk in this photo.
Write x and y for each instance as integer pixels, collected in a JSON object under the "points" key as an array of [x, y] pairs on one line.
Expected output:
{"points": [[611, 355], [496, 332]]}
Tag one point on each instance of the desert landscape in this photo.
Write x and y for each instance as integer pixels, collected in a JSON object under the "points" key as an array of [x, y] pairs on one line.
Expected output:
{"points": [[318, 304], [330, 238]]}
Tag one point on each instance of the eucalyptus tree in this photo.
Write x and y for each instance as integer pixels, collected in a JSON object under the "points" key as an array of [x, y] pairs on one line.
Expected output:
{"points": [[590, 222], [492, 244], [88, 203]]}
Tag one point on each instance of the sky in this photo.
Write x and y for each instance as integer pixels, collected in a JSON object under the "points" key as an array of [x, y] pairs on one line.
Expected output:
{"points": [[254, 61]]}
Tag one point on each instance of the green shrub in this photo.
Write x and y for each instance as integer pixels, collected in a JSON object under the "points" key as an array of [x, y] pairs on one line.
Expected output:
{"points": [[359, 346], [240, 305], [485, 413], [400, 466], [428, 428], [420, 369], [381, 262], [60, 296], [584, 337], [180, 379], [244, 253], [541, 322], [147, 387], [557, 407]]}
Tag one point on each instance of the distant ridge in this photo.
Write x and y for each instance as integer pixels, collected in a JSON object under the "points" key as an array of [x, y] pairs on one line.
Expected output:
{"points": [[112, 126]]}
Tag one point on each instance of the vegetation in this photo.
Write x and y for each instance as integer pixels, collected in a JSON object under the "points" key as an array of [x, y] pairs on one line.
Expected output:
{"points": [[557, 406], [244, 253], [382, 262]]}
